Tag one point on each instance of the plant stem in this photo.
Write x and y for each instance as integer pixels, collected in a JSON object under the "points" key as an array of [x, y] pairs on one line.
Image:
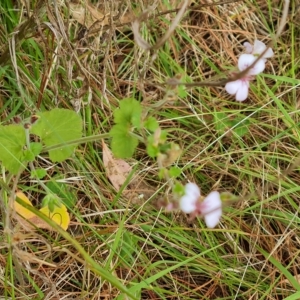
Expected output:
{"points": [[82, 140], [86, 139]]}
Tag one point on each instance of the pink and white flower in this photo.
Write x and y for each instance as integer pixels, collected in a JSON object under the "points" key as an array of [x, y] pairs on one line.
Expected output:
{"points": [[210, 208], [240, 87], [188, 202], [258, 48]]}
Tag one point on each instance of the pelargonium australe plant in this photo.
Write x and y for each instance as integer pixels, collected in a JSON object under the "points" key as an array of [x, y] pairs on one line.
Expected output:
{"points": [[210, 208], [240, 87], [258, 48]]}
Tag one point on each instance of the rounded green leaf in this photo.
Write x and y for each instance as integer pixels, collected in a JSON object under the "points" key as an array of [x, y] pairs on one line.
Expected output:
{"points": [[174, 172], [12, 145], [36, 148], [58, 126], [123, 144], [129, 113], [38, 173], [151, 124]]}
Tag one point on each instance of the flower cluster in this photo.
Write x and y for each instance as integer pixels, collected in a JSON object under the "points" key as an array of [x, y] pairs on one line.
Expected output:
{"points": [[240, 87], [210, 208]]}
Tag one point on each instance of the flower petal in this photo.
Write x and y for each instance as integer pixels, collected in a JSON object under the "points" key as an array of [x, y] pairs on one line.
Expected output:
{"points": [[212, 209], [233, 86], [258, 47], [248, 47], [212, 219], [269, 53], [211, 202], [242, 92], [192, 190], [258, 67], [245, 60], [169, 207], [187, 204]]}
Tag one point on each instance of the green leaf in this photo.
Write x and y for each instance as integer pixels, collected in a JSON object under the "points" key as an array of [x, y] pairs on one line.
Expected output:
{"points": [[241, 130], [162, 173], [163, 137], [51, 206], [28, 155], [222, 122], [36, 148], [12, 143], [174, 172], [56, 127], [123, 144], [178, 189], [293, 81], [181, 90], [38, 173], [62, 191], [295, 296], [243, 126], [228, 197], [51, 200], [128, 247], [152, 150], [129, 113], [151, 124]]}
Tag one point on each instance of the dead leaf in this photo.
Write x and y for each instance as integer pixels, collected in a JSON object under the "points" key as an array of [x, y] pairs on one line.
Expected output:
{"points": [[117, 170], [88, 15], [59, 215], [170, 156], [27, 214]]}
